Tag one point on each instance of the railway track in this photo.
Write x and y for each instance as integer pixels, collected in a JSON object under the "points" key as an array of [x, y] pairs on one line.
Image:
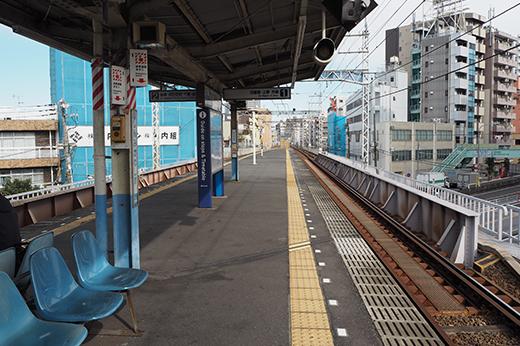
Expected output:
{"points": [[471, 295]]}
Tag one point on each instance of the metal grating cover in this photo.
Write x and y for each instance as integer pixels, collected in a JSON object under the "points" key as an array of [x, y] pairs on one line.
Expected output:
{"points": [[395, 316]]}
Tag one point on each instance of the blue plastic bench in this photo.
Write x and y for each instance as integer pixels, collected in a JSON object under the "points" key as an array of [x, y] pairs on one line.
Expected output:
{"points": [[57, 295], [41, 241], [18, 326], [95, 273], [8, 261]]}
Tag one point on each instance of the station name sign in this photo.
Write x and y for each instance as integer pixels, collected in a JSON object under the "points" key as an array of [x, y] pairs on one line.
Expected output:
{"points": [[257, 94]]}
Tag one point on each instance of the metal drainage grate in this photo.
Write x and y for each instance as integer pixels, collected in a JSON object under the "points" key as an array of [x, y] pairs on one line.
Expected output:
{"points": [[395, 316]]}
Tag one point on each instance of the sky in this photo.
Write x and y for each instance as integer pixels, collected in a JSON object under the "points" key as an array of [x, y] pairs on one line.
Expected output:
{"points": [[25, 63]]}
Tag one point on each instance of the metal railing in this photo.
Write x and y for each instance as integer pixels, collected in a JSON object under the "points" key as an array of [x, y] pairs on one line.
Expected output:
{"points": [[491, 215], [513, 234]]}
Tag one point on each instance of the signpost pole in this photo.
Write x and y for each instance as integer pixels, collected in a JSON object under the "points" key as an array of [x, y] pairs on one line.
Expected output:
{"points": [[234, 140], [254, 137]]}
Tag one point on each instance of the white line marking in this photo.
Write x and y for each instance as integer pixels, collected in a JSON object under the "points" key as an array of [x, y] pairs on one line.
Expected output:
{"points": [[342, 332], [326, 280], [313, 236], [317, 251], [333, 302], [321, 264]]}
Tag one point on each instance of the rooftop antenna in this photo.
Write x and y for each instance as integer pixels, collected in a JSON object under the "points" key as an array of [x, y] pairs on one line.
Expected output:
{"points": [[18, 98]]}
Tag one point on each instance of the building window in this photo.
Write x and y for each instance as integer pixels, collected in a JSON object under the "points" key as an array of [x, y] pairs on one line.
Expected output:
{"points": [[426, 94], [400, 48], [424, 135], [402, 155], [446, 92], [446, 108], [444, 135], [401, 135], [443, 153], [426, 154], [425, 109], [426, 48], [426, 64], [447, 61]]}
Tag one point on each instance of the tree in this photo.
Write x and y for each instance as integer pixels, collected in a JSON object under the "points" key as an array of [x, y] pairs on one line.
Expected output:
{"points": [[490, 166], [506, 165], [13, 187]]}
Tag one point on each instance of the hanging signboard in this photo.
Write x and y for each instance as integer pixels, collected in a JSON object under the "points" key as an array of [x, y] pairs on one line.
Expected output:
{"points": [[118, 85], [257, 94], [138, 67], [172, 95]]}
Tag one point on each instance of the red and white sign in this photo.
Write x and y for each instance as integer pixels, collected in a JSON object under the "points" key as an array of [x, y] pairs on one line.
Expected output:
{"points": [[138, 67], [118, 85]]}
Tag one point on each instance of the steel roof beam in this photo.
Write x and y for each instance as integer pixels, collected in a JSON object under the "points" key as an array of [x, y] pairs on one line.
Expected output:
{"points": [[178, 58], [249, 41]]}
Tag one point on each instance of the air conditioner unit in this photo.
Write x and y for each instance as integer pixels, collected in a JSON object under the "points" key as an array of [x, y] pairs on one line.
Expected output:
{"points": [[149, 32]]}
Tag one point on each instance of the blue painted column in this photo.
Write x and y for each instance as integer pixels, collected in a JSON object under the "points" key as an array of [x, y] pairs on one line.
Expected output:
{"points": [[98, 122], [234, 142], [204, 158], [218, 183]]}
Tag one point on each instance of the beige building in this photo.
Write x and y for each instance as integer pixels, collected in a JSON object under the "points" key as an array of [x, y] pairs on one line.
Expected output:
{"points": [[411, 147], [29, 145]]}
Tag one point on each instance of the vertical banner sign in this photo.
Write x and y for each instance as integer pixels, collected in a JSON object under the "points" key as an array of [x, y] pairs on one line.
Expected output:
{"points": [[234, 149], [204, 157], [134, 162], [138, 67], [118, 85]]}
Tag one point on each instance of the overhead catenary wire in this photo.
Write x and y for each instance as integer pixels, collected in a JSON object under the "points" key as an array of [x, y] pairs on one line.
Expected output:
{"points": [[435, 49]]}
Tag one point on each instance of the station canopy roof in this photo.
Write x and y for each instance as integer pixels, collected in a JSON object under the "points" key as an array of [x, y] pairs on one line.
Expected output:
{"points": [[223, 43]]}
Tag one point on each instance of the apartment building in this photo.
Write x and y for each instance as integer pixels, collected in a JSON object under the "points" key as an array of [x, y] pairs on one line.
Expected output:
{"points": [[501, 74], [29, 144]]}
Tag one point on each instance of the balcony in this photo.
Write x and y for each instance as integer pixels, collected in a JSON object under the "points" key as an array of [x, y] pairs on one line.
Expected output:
{"points": [[481, 48], [459, 116], [504, 74], [504, 101], [479, 95], [504, 61], [416, 94], [505, 88], [416, 63], [415, 108], [458, 83], [459, 99], [503, 129], [480, 79], [479, 111], [416, 78], [503, 115], [15, 153], [481, 64], [504, 142], [502, 46]]}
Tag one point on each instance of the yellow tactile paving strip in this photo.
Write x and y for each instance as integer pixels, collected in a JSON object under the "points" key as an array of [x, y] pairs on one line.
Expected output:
{"points": [[309, 320]]}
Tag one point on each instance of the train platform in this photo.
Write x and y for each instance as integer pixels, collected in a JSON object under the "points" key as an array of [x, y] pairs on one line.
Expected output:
{"points": [[259, 268]]}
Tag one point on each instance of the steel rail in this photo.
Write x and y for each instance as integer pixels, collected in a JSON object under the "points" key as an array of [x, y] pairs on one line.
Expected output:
{"points": [[469, 288]]}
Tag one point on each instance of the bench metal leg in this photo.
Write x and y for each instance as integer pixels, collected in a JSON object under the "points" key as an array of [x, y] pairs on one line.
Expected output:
{"points": [[131, 305]]}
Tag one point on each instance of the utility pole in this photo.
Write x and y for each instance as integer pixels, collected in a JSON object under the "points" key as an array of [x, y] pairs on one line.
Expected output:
{"points": [[366, 99], [68, 174], [156, 150]]}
